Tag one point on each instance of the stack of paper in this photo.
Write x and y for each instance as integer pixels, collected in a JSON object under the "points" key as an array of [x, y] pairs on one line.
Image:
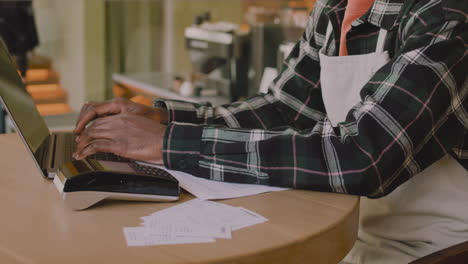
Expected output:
{"points": [[196, 221]]}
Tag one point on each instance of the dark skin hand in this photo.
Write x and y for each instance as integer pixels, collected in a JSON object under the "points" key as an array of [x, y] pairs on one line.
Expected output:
{"points": [[121, 127], [127, 135], [91, 111]]}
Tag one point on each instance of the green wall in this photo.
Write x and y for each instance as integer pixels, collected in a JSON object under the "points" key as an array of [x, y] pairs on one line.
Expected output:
{"points": [[95, 48]]}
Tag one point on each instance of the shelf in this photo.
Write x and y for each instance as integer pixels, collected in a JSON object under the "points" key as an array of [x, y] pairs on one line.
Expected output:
{"points": [[157, 85]]}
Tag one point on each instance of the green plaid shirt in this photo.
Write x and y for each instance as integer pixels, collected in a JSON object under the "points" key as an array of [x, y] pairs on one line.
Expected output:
{"points": [[412, 112]]}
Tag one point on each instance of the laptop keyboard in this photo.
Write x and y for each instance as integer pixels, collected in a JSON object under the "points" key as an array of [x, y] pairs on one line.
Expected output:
{"points": [[70, 147], [108, 157]]}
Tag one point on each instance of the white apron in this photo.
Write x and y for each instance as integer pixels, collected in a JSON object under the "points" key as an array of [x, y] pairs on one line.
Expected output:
{"points": [[426, 214]]}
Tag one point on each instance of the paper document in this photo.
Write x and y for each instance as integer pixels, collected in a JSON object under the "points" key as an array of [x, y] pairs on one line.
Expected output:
{"points": [[195, 221], [142, 236], [215, 190]]}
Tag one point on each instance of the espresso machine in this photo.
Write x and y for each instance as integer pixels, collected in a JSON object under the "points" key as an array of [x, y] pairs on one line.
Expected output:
{"points": [[220, 57]]}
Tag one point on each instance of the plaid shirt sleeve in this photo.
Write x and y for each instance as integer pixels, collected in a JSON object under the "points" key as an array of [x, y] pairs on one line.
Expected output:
{"points": [[412, 113]]}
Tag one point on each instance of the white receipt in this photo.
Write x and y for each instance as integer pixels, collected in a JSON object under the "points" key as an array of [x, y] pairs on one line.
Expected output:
{"points": [[195, 221], [213, 190], [142, 236], [186, 228]]}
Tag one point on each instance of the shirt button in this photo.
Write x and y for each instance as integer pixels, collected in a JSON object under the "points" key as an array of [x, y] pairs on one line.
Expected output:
{"points": [[182, 164]]}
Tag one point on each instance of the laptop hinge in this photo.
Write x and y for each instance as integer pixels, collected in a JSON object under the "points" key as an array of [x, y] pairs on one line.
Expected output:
{"points": [[51, 151], [44, 152]]}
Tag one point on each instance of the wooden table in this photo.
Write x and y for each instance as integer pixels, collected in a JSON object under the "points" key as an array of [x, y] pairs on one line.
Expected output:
{"points": [[36, 227]]}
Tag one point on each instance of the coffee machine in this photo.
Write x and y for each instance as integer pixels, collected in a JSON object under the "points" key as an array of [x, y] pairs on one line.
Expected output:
{"points": [[220, 57]]}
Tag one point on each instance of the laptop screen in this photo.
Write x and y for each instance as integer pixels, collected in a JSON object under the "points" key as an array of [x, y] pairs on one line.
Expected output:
{"points": [[19, 104]]}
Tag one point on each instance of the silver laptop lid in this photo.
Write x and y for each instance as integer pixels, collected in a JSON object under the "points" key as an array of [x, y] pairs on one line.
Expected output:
{"points": [[21, 108]]}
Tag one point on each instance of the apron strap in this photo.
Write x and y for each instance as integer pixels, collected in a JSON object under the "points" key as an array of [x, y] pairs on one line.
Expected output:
{"points": [[381, 41]]}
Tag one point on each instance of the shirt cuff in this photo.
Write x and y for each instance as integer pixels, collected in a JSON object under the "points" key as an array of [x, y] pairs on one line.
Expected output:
{"points": [[181, 149], [183, 112]]}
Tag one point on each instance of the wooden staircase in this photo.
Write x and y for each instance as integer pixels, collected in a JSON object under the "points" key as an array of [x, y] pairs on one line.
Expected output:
{"points": [[43, 84]]}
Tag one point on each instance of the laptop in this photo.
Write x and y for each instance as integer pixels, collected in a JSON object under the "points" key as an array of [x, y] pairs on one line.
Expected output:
{"points": [[52, 152]]}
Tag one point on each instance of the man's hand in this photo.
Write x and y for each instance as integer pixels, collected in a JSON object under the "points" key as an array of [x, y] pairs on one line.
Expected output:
{"points": [[126, 135], [91, 111]]}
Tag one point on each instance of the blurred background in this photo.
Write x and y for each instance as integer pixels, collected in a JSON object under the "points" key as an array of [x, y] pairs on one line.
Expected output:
{"points": [[196, 50]]}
